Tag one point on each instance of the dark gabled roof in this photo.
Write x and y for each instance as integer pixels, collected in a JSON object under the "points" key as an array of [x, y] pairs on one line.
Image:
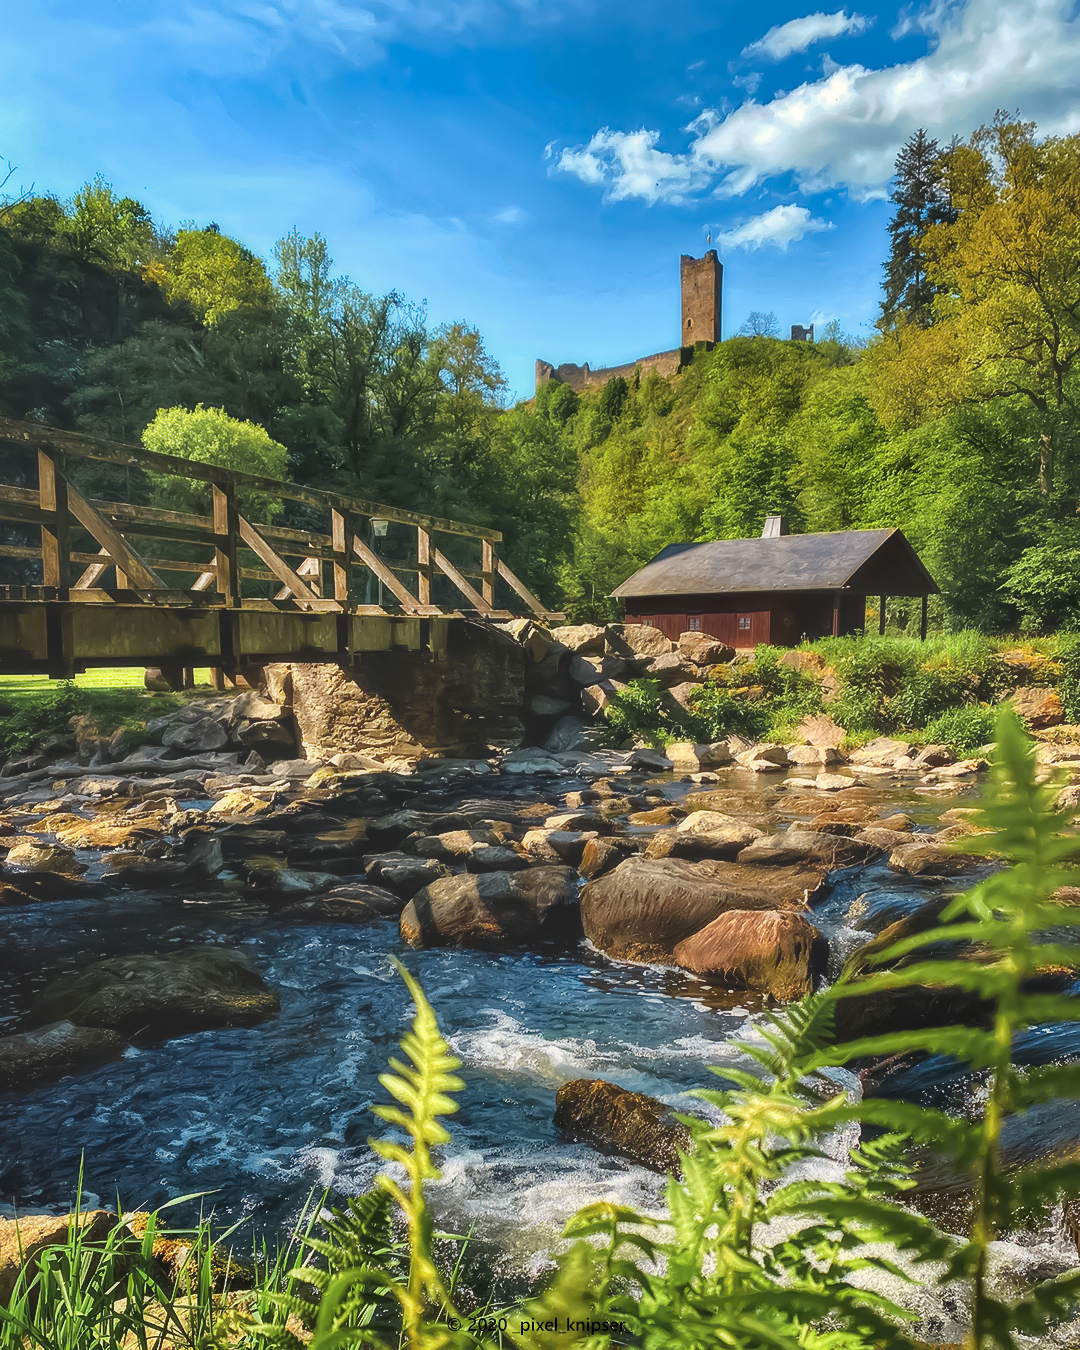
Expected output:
{"points": [[871, 561]]}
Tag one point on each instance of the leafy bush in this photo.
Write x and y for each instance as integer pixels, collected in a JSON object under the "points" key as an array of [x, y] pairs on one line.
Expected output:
{"points": [[1068, 657], [719, 713], [961, 729], [35, 720]]}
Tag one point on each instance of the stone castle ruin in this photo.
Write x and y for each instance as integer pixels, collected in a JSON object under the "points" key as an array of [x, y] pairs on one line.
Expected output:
{"points": [[702, 286]]}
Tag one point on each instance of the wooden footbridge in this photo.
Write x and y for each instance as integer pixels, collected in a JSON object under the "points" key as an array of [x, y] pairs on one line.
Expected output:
{"points": [[218, 589]]}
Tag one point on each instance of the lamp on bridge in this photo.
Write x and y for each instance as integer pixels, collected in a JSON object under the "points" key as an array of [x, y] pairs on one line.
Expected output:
{"points": [[378, 527]]}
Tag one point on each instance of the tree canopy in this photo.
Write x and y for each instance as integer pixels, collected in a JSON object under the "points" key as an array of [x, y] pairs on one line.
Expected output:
{"points": [[957, 422]]}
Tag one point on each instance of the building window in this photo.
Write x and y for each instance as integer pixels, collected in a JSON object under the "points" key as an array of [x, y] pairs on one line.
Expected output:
{"points": [[693, 623], [744, 623]]}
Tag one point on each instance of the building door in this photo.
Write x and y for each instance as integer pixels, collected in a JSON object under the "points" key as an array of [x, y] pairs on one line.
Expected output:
{"points": [[752, 628]]}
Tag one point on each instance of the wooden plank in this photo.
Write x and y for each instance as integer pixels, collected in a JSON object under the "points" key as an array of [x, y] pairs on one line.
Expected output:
{"points": [[22, 496], [526, 594], [110, 452], [309, 568], [409, 602], [474, 597], [423, 565], [53, 497], [487, 571], [226, 532], [94, 572], [276, 563], [121, 552], [340, 527]]}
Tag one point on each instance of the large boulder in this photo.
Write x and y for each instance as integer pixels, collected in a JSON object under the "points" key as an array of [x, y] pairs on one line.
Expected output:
{"points": [[775, 952], [586, 639], [809, 847], [403, 705], [821, 731], [1038, 707], [704, 650], [23, 1240], [31, 856], [630, 1123], [49, 1052], [670, 668], [645, 907], [160, 996], [883, 752], [726, 841], [688, 757], [637, 640], [926, 857], [491, 909], [402, 873], [193, 730], [352, 903]]}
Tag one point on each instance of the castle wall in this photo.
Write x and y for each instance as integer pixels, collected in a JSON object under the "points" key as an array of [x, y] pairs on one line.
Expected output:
{"points": [[582, 377], [702, 282]]}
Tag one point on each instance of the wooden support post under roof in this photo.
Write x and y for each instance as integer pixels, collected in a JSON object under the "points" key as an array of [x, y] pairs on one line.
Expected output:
{"points": [[881, 616], [55, 546], [474, 597], [253, 540], [922, 621], [136, 572], [836, 614]]}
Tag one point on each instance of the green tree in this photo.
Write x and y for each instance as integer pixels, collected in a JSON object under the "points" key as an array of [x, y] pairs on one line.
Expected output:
{"points": [[213, 273], [211, 436], [920, 195]]}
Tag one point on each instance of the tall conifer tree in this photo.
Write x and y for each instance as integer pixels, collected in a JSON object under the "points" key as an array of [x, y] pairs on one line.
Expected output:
{"points": [[921, 201]]}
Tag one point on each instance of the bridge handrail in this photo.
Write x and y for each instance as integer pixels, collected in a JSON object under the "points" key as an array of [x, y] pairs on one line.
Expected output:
{"points": [[82, 446], [57, 507]]}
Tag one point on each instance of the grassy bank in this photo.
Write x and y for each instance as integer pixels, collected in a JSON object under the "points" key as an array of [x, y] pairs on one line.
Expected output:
{"points": [[942, 691], [35, 710]]}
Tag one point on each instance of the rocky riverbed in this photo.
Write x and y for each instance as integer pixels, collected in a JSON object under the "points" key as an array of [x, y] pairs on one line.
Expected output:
{"points": [[195, 991]]}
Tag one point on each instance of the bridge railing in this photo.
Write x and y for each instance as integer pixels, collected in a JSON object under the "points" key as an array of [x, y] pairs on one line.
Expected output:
{"points": [[343, 570]]}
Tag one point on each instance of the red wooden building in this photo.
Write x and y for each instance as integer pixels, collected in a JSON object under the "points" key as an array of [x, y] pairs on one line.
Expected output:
{"points": [[781, 589]]}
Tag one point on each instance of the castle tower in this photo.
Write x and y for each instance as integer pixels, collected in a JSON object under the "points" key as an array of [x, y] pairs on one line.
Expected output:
{"points": [[702, 287]]}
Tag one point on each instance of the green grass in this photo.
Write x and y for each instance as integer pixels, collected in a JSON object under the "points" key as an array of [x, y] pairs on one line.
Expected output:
{"points": [[34, 708], [105, 678]]}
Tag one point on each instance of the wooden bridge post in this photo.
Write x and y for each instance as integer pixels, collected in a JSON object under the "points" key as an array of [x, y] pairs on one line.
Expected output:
{"points": [[339, 529], [226, 563], [56, 564], [423, 565], [226, 543], [488, 565], [55, 546]]}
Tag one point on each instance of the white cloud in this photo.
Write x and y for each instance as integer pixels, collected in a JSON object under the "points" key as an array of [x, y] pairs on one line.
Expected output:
{"points": [[627, 164], [796, 36], [846, 128], [511, 215], [781, 226]]}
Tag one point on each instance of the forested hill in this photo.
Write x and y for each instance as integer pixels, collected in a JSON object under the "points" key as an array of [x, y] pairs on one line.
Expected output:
{"points": [[957, 422]]}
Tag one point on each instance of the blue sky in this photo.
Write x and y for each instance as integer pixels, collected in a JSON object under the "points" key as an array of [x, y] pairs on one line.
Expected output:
{"points": [[533, 167]]}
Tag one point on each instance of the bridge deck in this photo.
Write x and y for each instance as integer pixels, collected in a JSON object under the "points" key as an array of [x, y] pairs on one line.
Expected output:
{"points": [[261, 591]]}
